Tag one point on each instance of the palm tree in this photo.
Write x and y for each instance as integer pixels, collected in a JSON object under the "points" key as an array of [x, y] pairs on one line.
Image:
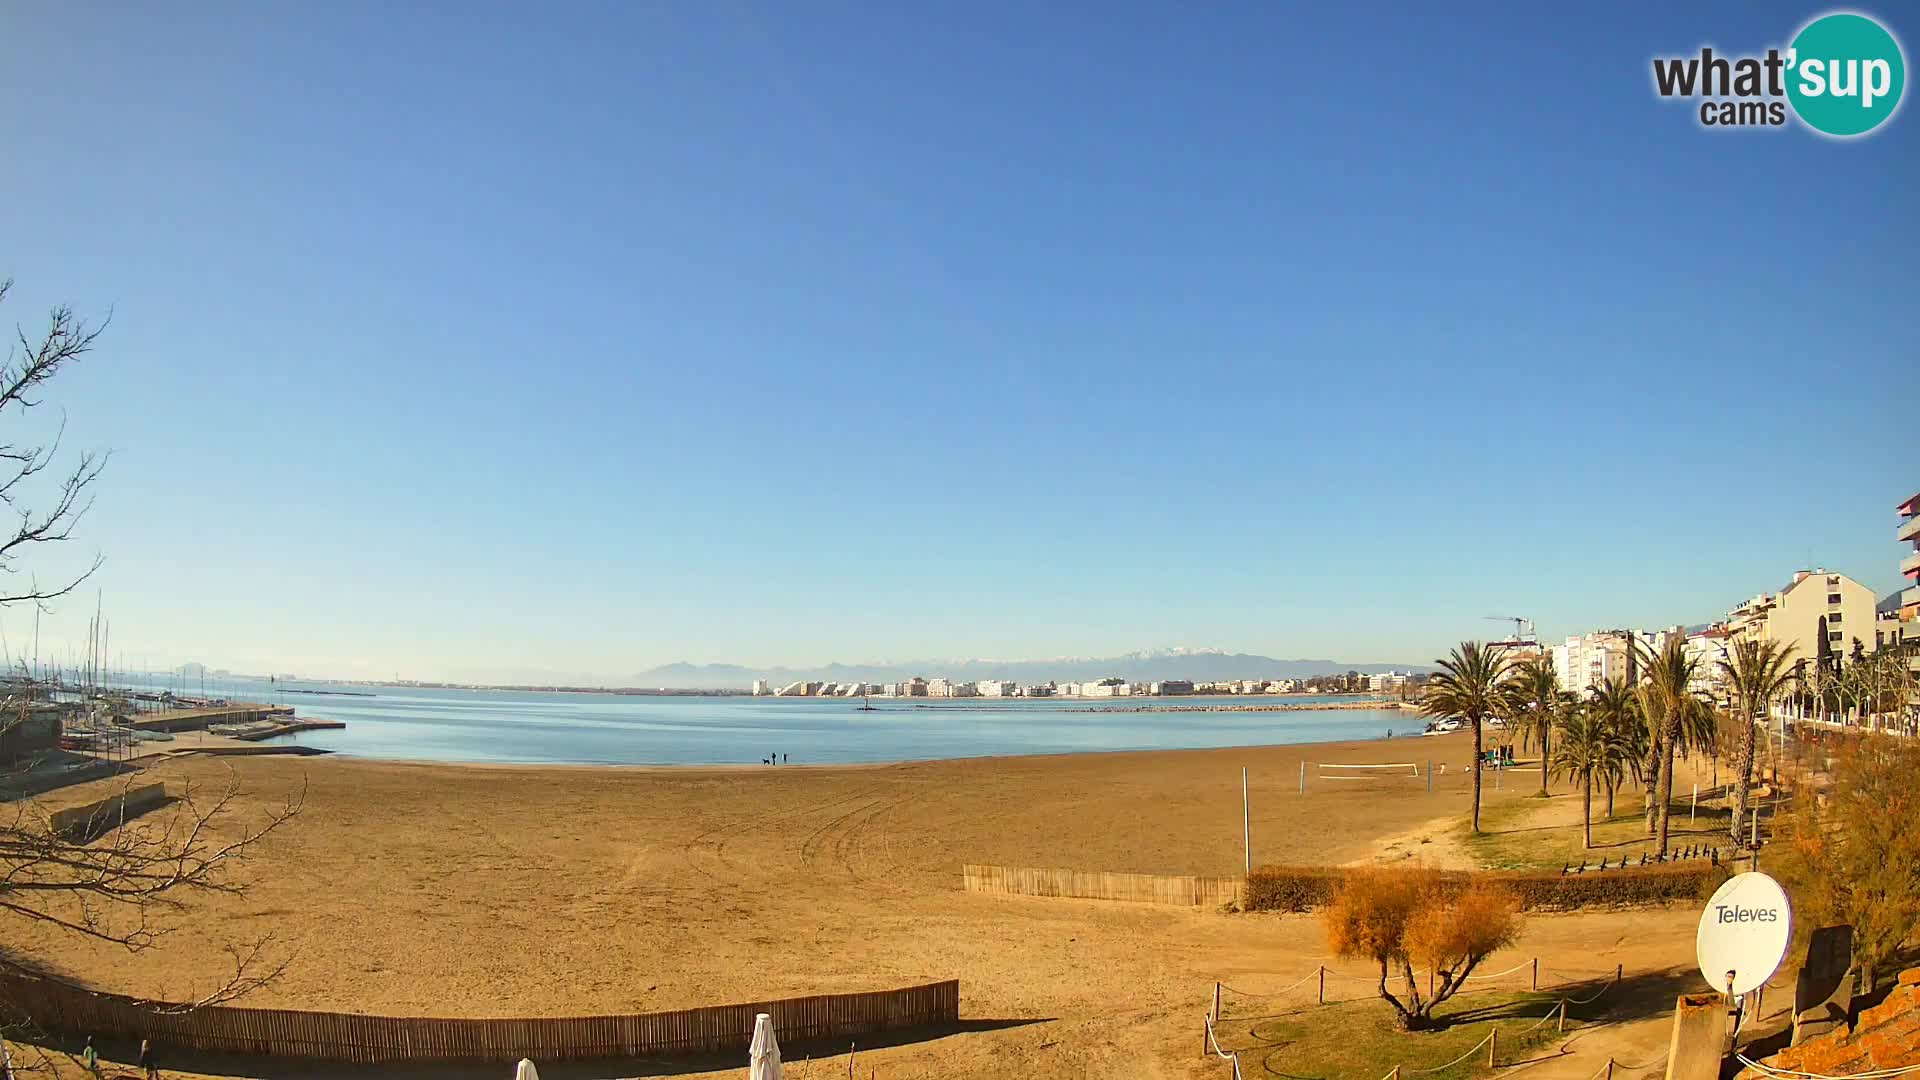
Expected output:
{"points": [[1651, 708], [1669, 680], [1758, 672], [1589, 748], [1533, 700], [1471, 686], [1613, 703]]}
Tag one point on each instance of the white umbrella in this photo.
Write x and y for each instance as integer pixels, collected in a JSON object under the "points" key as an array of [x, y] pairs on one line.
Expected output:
{"points": [[763, 1057], [526, 1071]]}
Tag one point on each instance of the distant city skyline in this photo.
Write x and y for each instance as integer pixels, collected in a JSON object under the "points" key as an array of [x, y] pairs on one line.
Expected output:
{"points": [[594, 338]]}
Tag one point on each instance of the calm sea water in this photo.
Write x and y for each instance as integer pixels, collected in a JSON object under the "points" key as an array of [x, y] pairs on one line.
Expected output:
{"points": [[516, 726]]}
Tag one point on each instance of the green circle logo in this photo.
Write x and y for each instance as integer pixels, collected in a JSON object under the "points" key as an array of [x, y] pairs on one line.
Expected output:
{"points": [[1845, 74]]}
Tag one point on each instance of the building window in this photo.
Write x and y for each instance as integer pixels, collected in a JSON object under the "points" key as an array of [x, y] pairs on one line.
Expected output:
{"points": [[1833, 598], [1834, 637], [1833, 618]]}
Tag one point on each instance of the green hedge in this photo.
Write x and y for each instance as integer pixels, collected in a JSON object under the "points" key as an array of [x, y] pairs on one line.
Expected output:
{"points": [[1302, 888]]}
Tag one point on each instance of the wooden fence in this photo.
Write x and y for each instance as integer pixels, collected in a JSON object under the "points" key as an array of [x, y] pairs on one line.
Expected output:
{"points": [[57, 1007], [1182, 889], [109, 812]]}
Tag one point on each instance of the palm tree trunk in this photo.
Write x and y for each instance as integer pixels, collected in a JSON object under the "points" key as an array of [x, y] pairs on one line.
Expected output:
{"points": [[1586, 812], [1610, 787], [1476, 776], [1650, 780], [1544, 757], [1743, 780], [1666, 788]]}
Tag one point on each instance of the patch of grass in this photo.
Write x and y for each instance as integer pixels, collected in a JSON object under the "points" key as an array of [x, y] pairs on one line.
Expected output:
{"points": [[1362, 1039], [1514, 835]]}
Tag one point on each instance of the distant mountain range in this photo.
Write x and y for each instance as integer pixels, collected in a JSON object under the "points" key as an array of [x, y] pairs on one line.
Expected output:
{"points": [[1200, 665]]}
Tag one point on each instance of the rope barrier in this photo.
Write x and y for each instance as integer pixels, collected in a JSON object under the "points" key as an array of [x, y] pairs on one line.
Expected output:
{"points": [[1558, 1010], [1232, 1058], [1276, 993], [1499, 974], [1790, 1074], [1458, 1060]]}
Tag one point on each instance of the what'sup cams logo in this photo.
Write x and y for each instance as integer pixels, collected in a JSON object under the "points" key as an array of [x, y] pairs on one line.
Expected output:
{"points": [[1842, 76]]}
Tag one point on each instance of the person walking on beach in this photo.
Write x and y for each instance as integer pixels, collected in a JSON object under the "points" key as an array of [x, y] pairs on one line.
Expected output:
{"points": [[147, 1067], [90, 1058], [783, 759]]}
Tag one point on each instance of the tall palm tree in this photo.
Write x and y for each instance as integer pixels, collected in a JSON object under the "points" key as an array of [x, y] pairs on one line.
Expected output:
{"points": [[1533, 700], [1589, 748], [1612, 702], [1471, 686], [1669, 680], [1758, 672], [1652, 711]]}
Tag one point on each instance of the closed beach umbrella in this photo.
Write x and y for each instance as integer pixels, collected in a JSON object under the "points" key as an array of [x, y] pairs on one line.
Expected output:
{"points": [[763, 1057], [526, 1071]]}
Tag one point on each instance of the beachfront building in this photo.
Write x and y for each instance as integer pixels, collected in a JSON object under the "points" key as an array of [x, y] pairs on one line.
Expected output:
{"points": [[1386, 681], [1170, 686], [1283, 686], [1587, 661], [1816, 606], [1106, 688], [997, 688], [760, 688], [1909, 610], [1038, 691]]}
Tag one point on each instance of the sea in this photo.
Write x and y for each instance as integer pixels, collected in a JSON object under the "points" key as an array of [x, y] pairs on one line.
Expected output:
{"points": [[540, 727]]}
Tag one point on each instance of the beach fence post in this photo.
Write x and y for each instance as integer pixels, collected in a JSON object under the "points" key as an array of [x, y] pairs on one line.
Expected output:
{"points": [[1429, 776], [1303, 777], [1246, 823], [1493, 1047], [1320, 995], [1692, 813], [1216, 1001], [1535, 985]]}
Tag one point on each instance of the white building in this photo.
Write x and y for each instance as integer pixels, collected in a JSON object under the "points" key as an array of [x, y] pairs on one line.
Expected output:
{"points": [[1106, 688], [760, 688], [996, 688]]}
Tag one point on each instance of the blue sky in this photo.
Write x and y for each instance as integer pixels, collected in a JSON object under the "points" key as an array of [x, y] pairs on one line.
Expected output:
{"points": [[482, 340]]}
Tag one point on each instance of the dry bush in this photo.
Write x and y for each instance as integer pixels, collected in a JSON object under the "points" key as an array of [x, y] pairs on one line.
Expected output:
{"points": [[1411, 917], [1854, 859], [1305, 888]]}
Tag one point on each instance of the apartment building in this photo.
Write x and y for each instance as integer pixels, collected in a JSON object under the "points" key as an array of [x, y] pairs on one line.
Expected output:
{"points": [[996, 688], [1587, 661], [1909, 610], [1816, 606]]}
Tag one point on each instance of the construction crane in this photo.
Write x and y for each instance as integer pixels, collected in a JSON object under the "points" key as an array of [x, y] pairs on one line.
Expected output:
{"points": [[1522, 627]]}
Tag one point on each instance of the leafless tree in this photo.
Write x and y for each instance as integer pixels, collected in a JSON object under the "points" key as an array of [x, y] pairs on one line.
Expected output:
{"points": [[31, 362], [107, 878]]}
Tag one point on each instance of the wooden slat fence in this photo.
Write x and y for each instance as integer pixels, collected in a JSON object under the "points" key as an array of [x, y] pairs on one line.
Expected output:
{"points": [[56, 1007], [1181, 889]]}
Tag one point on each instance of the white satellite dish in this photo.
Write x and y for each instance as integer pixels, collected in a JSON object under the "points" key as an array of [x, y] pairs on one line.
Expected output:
{"points": [[1744, 932]]}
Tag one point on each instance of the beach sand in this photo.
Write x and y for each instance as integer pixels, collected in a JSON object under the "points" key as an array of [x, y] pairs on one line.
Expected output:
{"points": [[455, 890]]}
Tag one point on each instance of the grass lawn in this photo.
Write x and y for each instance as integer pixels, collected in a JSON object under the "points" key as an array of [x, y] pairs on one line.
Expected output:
{"points": [[1362, 1040], [1519, 833]]}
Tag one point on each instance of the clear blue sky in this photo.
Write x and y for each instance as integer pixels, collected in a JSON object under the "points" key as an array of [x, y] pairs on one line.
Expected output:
{"points": [[482, 340]]}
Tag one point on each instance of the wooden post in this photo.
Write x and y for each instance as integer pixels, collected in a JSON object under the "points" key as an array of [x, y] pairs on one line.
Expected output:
{"points": [[1493, 1046], [1561, 1024], [1246, 822], [1696, 804], [1609, 1069], [1429, 791], [1535, 984], [1320, 995], [1215, 1014], [1303, 778], [851, 1047]]}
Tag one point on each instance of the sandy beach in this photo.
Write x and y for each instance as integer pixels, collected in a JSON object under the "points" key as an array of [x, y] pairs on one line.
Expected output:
{"points": [[453, 890]]}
